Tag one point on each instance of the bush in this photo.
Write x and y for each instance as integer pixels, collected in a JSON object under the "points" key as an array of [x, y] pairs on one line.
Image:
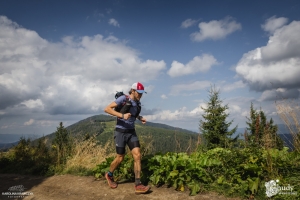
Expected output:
{"points": [[230, 172], [26, 158]]}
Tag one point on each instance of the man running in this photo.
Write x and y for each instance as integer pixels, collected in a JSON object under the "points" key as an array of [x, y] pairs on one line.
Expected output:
{"points": [[125, 134]]}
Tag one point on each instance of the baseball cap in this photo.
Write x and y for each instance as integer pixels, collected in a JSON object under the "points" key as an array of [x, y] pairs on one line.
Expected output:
{"points": [[138, 87]]}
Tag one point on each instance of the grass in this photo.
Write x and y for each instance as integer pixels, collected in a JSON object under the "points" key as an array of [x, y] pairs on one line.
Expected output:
{"points": [[86, 154], [289, 112]]}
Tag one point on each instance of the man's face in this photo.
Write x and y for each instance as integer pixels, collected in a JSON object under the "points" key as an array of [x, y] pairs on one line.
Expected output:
{"points": [[137, 95]]}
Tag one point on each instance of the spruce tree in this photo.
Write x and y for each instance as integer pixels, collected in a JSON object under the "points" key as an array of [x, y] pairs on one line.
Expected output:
{"points": [[261, 132], [214, 126], [62, 143]]}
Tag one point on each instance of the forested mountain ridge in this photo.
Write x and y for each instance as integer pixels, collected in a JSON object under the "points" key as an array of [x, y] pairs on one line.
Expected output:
{"points": [[163, 138]]}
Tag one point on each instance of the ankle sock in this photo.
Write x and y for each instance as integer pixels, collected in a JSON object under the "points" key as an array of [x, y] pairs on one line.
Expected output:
{"points": [[138, 181], [110, 174]]}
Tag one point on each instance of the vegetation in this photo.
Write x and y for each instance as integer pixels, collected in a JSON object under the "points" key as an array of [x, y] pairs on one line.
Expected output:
{"points": [[214, 126], [231, 172], [26, 158], [263, 133], [62, 144], [289, 112]]}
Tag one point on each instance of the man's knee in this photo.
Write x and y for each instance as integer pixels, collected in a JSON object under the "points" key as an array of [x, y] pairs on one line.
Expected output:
{"points": [[136, 153], [120, 158]]}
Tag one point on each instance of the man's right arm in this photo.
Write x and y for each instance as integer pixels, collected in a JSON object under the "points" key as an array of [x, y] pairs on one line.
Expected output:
{"points": [[110, 110]]}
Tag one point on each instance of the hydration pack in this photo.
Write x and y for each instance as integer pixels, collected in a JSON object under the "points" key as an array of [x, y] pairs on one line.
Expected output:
{"points": [[126, 105]]}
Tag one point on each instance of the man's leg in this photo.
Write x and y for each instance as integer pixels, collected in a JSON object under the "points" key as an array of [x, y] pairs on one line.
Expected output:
{"points": [[139, 187], [120, 149], [109, 175], [116, 162], [136, 153]]}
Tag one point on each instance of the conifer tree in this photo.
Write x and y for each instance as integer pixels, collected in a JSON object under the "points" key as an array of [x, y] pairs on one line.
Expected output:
{"points": [[214, 126], [261, 132], [62, 143]]}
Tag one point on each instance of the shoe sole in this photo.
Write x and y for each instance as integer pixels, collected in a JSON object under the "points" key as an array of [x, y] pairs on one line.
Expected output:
{"points": [[142, 192]]}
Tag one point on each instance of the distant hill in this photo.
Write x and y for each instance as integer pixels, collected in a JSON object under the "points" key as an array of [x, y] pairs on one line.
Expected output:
{"points": [[6, 146], [9, 140], [164, 138]]}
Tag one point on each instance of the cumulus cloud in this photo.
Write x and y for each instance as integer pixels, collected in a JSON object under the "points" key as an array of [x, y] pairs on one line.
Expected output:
{"points": [[114, 22], [276, 65], [29, 122], [280, 93], [197, 85], [74, 76], [198, 64], [187, 23], [273, 23], [215, 29], [180, 114]]}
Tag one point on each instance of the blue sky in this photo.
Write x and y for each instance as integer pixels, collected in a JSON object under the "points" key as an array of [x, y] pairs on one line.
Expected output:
{"points": [[64, 60]]}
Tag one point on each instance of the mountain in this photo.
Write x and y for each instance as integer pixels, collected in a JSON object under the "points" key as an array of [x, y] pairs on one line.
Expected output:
{"points": [[163, 138], [9, 140], [6, 146]]}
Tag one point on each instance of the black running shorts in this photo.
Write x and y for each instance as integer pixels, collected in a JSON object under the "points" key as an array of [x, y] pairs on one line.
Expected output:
{"points": [[123, 139]]}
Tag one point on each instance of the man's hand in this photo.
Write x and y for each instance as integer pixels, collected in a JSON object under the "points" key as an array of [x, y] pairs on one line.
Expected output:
{"points": [[127, 116], [143, 120]]}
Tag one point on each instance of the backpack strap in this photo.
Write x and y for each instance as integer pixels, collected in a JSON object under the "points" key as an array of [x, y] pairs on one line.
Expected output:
{"points": [[126, 105]]}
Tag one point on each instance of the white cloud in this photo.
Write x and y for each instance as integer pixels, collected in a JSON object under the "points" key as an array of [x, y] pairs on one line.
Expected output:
{"points": [[198, 64], [114, 22], [184, 116], [216, 30], [163, 96], [34, 104], [276, 65], [29, 122], [74, 76], [232, 86], [187, 23], [273, 23], [180, 114], [197, 85]]}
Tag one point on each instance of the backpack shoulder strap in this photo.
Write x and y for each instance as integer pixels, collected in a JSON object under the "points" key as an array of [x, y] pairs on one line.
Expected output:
{"points": [[124, 108]]}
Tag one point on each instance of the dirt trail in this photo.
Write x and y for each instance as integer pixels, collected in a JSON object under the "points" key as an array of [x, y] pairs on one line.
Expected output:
{"points": [[68, 187]]}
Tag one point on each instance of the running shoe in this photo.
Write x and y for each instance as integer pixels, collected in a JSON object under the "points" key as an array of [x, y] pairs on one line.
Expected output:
{"points": [[141, 189], [110, 181]]}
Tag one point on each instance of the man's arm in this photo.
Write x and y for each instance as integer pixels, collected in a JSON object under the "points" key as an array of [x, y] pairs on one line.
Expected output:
{"points": [[110, 110], [142, 119]]}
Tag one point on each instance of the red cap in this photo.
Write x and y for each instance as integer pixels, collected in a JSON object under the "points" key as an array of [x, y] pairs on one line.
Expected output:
{"points": [[138, 87]]}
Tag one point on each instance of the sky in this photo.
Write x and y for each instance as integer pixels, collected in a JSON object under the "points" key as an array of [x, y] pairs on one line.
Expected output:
{"points": [[63, 61]]}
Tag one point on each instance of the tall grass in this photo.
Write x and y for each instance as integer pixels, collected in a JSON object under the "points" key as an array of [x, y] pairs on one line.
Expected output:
{"points": [[289, 112], [86, 154]]}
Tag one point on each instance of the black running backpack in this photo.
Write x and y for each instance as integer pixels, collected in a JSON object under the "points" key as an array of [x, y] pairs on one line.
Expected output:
{"points": [[124, 108]]}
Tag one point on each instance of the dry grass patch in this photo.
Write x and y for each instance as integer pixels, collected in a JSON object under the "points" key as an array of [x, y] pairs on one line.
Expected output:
{"points": [[289, 112], [88, 153]]}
